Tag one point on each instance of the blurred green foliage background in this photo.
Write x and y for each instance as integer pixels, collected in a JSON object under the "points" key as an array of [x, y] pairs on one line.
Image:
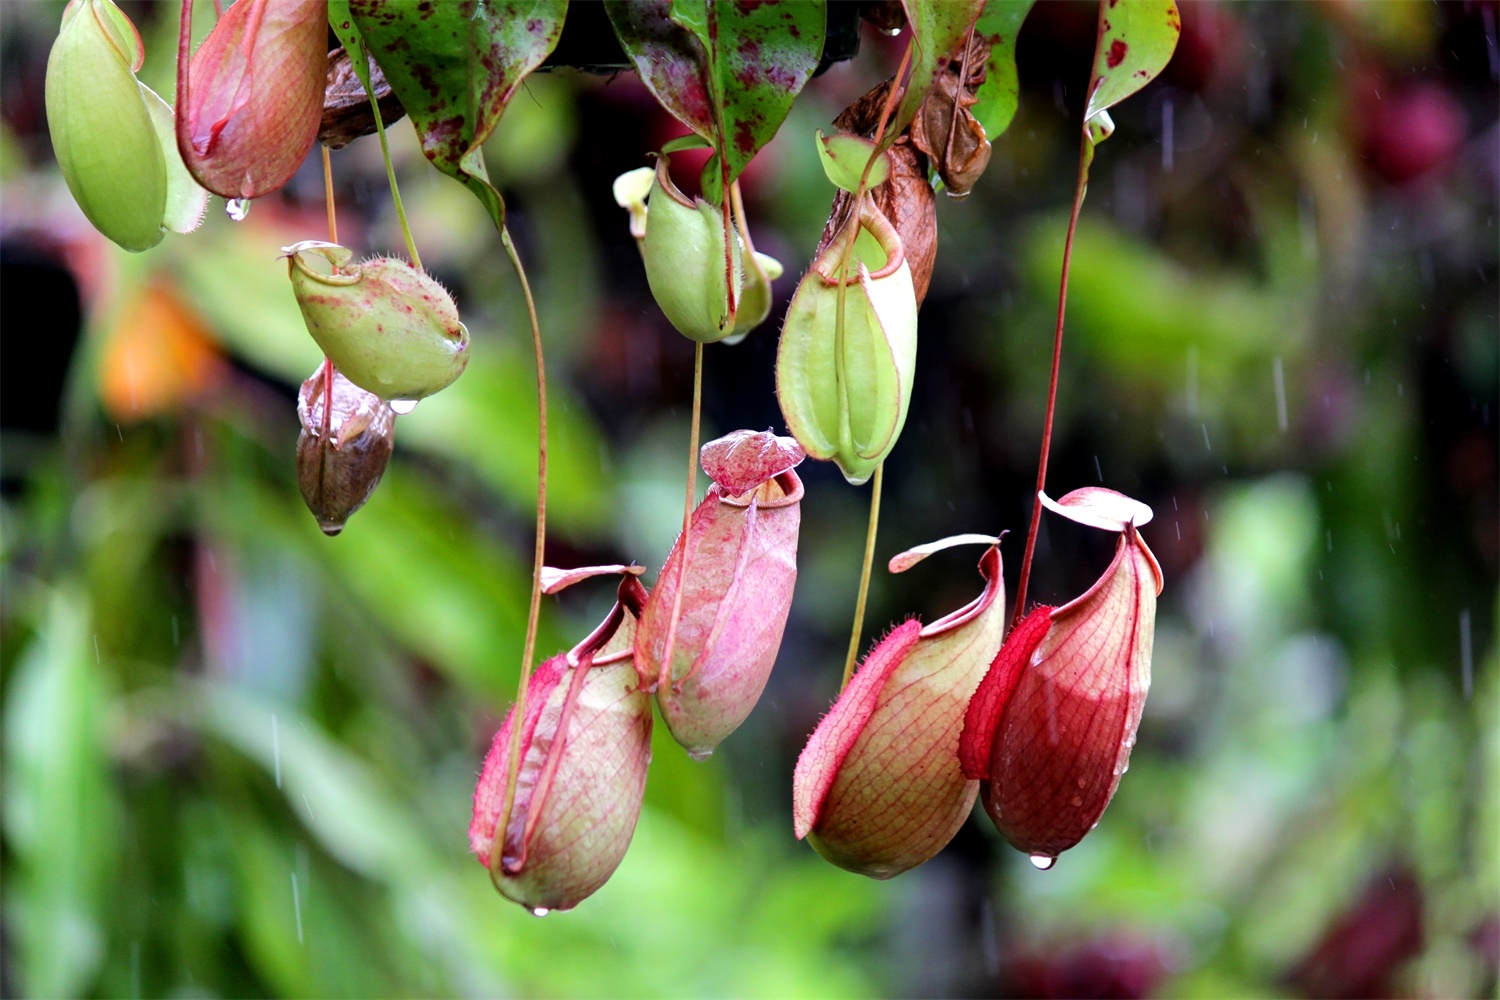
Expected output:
{"points": [[239, 755]]}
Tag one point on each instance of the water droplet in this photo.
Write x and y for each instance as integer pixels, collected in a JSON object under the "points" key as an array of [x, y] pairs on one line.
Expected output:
{"points": [[1043, 861], [331, 528], [237, 208], [1077, 801], [540, 911], [402, 407]]}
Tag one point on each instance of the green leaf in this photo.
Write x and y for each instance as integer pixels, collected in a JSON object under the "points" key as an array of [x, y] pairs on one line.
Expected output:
{"points": [[1136, 40], [686, 142], [999, 96], [341, 20], [764, 55], [938, 30], [59, 807], [497, 393], [844, 157], [447, 591], [350, 810], [455, 66], [727, 70]]}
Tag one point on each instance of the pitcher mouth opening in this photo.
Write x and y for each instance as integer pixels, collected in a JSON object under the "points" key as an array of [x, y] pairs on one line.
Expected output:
{"points": [[994, 582], [781, 490]]}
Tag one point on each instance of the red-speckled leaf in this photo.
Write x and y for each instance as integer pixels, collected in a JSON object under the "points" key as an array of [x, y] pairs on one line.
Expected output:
{"points": [[341, 20], [743, 460], [938, 28], [1001, 92], [455, 65], [668, 59], [1136, 40], [760, 55], [728, 69]]}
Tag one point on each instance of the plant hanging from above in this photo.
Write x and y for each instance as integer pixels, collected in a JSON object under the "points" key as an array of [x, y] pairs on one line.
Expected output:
{"points": [[1032, 711]]}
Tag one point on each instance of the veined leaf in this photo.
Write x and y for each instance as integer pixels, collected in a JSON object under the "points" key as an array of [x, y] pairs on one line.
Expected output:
{"points": [[455, 66], [1136, 41], [1000, 94], [669, 59], [60, 808], [727, 70], [341, 20]]}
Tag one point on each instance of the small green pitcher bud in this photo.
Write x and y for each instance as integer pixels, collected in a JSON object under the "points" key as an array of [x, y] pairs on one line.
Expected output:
{"points": [[386, 326], [113, 135], [347, 438], [849, 405], [684, 248]]}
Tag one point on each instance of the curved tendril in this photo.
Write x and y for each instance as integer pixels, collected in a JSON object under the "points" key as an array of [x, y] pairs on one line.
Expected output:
{"points": [[534, 608], [664, 675]]}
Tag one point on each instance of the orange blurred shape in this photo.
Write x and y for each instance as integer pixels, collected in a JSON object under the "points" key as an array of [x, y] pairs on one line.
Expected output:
{"points": [[157, 357]]}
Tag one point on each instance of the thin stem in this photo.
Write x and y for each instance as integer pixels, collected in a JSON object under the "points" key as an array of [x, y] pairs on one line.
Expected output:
{"points": [[327, 427], [533, 612], [864, 577], [333, 237], [958, 92], [740, 224], [730, 299], [1057, 338], [665, 675], [856, 630], [724, 197], [184, 51], [846, 260], [390, 175], [885, 113], [333, 219]]}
